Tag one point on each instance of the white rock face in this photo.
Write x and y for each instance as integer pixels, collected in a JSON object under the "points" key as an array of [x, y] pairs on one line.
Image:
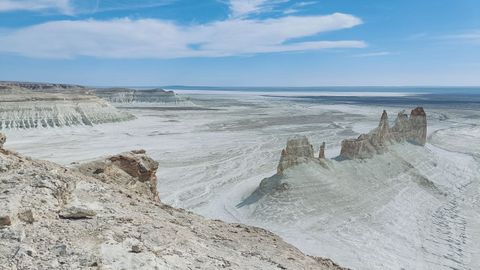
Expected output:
{"points": [[25, 108], [52, 217]]}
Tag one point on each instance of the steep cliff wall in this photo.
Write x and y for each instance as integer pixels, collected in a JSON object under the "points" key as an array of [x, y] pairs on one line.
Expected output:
{"points": [[48, 106]]}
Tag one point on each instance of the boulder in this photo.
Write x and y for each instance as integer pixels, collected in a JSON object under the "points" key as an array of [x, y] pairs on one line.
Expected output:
{"points": [[134, 169], [76, 212], [5, 221]]}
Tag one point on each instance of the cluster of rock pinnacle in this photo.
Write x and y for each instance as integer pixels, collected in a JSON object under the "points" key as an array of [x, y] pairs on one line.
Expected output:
{"points": [[412, 129]]}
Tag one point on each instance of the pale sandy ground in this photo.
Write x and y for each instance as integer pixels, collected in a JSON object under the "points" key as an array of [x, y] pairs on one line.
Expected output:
{"points": [[211, 159]]}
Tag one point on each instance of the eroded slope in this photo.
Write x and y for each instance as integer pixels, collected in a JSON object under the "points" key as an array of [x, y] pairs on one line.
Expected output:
{"points": [[103, 215]]}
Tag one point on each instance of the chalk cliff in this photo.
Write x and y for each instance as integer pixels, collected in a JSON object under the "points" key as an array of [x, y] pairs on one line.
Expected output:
{"points": [[106, 215], [30, 105]]}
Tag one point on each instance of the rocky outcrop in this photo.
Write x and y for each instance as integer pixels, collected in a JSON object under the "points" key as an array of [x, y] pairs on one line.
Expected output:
{"points": [[412, 129], [53, 107], [75, 212], [134, 169], [298, 151], [77, 221]]}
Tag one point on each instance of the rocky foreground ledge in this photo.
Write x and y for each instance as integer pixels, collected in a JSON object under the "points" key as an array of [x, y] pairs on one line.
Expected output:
{"points": [[106, 214]]}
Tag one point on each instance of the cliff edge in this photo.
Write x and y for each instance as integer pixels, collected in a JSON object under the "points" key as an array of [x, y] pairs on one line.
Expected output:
{"points": [[106, 214]]}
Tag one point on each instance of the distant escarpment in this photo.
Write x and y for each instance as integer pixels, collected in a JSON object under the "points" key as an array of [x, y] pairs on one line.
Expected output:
{"points": [[106, 214], [126, 95], [412, 129], [32, 105], [43, 87]]}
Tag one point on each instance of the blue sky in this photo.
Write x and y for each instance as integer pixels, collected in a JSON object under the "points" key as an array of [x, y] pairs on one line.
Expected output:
{"points": [[241, 42]]}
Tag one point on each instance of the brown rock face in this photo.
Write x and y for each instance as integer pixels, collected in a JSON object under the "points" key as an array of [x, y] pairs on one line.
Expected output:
{"points": [[412, 129], [298, 150], [133, 168], [418, 124]]}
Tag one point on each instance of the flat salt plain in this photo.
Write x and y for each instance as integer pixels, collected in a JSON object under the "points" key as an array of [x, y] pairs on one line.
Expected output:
{"points": [[412, 208]]}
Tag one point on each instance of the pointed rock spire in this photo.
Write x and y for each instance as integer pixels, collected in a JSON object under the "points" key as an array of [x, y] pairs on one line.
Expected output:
{"points": [[321, 154]]}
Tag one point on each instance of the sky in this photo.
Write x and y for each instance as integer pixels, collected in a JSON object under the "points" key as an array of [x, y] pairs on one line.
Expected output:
{"points": [[241, 42]]}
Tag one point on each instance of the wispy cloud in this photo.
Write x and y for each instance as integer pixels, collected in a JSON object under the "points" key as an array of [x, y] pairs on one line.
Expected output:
{"points": [[75, 7], [373, 54], [96, 6], [63, 6], [472, 36], [151, 38], [244, 8], [297, 7]]}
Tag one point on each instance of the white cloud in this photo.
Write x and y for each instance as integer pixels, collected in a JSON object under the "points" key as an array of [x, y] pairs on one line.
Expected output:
{"points": [[150, 38], [35, 5]]}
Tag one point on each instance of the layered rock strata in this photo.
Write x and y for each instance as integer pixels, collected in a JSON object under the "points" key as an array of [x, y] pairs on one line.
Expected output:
{"points": [[98, 216], [44, 87], [46, 106]]}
